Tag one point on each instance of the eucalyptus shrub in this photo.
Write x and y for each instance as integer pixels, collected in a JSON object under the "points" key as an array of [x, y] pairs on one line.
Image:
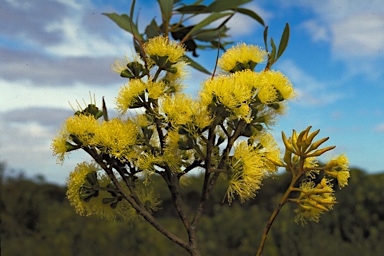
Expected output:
{"points": [[222, 133]]}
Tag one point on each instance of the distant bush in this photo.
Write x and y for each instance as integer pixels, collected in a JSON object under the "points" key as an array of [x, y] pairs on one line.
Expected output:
{"points": [[37, 218]]}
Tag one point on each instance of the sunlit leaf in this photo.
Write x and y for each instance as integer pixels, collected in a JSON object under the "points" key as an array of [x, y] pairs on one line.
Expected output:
{"points": [[125, 22], [251, 14]]}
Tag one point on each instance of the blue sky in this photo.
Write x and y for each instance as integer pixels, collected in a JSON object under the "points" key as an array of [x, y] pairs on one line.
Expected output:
{"points": [[57, 51]]}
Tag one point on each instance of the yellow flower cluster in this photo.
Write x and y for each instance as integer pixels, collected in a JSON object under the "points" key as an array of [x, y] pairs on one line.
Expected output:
{"points": [[314, 200], [115, 137], [128, 96], [338, 168], [248, 167], [181, 109], [300, 158], [241, 57], [79, 130], [95, 206], [161, 46], [239, 89], [111, 137]]}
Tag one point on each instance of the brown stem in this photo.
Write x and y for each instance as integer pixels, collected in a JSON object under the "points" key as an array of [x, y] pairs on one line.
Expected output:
{"points": [[205, 190], [271, 220], [283, 200], [141, 210]]}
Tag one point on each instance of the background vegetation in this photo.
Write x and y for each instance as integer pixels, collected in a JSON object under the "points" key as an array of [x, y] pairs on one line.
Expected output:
{"points": [[37, 218]]}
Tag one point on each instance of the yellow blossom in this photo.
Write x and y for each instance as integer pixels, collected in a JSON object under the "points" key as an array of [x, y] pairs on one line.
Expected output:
{"points": [[246, 173], [128, 95], [83, 127], [155, 89], [161, 46], [116, 136], [77, 182], [338, 168], [120, 64], [314, 200], [147, 162], [342, 178], [241, 57], [172, 141], [310, 163], [179, 108], [266, 145], [202, 117], [141, 120], [276, 80], [173, 156], [234, 92], [305, 214], [59, 146], [150, 200]]}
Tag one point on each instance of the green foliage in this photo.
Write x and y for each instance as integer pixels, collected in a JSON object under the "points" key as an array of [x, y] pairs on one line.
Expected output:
{"points": [[176, 16], [355, 227]]}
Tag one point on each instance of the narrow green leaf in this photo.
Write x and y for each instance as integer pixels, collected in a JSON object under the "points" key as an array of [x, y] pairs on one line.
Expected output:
{"points": [[273, 52], [197, 66], [124, 22], [266, 38], [211, 18], [251, 14], [193, 9], [224, 5], [283, 41], [166, 8], [208, 35]]}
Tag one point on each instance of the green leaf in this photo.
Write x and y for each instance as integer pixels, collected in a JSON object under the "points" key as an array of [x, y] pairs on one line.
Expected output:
{"points": [[152, 30], [224, 5], [209, 35], [266, 38], [283, 41], [273, 52], [125, 22], [197, 66], [251, 14], [193, 9], [166, 8], [211, 18]]}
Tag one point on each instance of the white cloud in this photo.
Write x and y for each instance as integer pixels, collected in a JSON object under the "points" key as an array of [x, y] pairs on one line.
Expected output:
{"points": [[359, 36], [355, 28], [52, 96], [26, 147], [318, 31], [311, 91], [78, 40]]}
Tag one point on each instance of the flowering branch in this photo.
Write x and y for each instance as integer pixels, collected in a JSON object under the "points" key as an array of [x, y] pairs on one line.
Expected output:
{"points": [[224, 132]]}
